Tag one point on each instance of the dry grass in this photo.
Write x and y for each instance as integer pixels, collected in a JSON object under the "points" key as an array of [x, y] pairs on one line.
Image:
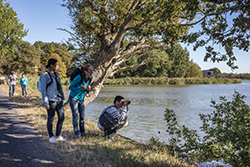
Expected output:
{"points": [[92, 150]]}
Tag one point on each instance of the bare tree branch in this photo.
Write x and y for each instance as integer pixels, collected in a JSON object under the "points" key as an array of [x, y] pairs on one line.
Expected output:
{"points": [[129, 67], [211, 14], [220, 1]]}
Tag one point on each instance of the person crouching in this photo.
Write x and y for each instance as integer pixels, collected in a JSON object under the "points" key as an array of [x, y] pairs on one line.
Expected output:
{"points": [[114, 117]]}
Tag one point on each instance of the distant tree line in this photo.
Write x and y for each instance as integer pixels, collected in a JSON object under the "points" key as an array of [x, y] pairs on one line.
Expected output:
{"points": [[32, 59], [236, 76]]}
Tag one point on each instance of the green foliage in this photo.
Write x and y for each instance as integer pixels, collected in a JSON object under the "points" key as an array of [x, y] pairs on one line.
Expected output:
{"points": [[11, 30], [179, 58], [228, 26], [62, 69], [217, 71], [27, 59], [194, 70], [63, 50], [168, 81], [226, 134], [236, 76], [159, 67]]}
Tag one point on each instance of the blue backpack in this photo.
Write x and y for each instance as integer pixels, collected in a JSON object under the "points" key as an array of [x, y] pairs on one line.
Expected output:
{"points": [[39, 82]]}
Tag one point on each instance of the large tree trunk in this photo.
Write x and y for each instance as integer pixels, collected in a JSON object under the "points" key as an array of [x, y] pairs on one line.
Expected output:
{"points": [[103, 68]]}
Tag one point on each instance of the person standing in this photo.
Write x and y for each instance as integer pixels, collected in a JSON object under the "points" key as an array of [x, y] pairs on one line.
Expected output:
{"points": [[52, 94], [78, 89], [12, 80], [24, 83]]}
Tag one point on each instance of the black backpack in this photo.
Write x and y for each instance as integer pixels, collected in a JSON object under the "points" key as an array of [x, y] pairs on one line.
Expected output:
{"points": [[76, 72]]}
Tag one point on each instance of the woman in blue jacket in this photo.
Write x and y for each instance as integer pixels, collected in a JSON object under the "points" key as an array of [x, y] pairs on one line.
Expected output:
{"points": [[24, 83], [78, 89]]}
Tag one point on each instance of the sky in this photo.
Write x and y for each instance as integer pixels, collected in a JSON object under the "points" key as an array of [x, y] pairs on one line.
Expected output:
{"points": [[42, 18]]}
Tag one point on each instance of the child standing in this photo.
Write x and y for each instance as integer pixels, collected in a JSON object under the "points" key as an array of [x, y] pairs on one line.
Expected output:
{"points": [[24, 83]]}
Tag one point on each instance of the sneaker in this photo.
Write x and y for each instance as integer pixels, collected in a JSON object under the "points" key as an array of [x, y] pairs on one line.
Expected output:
{"points": [[77, 136], [83, 134], [111, 135], [52, 139], [22, 95], [26, 95], [60, 138]]}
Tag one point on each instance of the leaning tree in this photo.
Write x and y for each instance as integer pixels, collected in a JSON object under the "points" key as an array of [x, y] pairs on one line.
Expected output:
{"points": [[111, 32]]}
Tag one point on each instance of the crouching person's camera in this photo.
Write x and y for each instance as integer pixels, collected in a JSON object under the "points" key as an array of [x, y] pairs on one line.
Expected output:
{"points": [[128, 102]]}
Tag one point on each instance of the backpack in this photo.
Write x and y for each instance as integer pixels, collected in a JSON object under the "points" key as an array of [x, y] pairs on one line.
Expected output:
{"points": [[39, 82], [76, 72]]}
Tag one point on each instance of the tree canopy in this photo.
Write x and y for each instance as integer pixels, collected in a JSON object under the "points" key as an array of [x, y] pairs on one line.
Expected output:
{"points": [[11, 30], [111, 32]]}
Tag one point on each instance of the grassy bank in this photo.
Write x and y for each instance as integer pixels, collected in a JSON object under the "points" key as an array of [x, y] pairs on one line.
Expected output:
{"points": [[169, 81], [93, 150]]}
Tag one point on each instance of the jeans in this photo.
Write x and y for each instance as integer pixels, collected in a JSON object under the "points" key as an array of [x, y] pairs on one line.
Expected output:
{"points": [[24, 88], [13, 90], [55, 106], [77, 106]]}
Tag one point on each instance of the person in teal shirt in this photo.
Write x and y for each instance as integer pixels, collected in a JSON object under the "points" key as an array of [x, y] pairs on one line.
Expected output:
{"points": [[24, 83], [79, 87]]}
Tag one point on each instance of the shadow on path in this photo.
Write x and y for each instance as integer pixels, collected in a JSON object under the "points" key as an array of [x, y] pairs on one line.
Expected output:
{"points": [[20, 144]]}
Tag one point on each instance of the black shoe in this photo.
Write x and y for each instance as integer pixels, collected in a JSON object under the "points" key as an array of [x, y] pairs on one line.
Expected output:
{"points": [[83, 134]]}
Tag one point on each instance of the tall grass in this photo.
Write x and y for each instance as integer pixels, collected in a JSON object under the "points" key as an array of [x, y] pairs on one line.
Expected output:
{"points": [[169, 81], [94, 149]]}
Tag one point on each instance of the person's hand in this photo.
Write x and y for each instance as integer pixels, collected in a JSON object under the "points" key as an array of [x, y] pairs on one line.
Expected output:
{"points": [[89, 87], [84, 87], [47, 107], [125, 103]]}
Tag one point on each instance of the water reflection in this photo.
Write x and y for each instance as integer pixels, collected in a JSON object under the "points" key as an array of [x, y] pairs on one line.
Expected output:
{"points": [[148, 104]]}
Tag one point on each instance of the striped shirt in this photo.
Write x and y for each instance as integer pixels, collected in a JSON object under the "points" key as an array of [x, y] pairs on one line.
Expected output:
{"points": [[121, 114]]}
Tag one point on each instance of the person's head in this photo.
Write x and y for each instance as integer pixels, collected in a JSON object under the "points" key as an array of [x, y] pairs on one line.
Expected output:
{"points": [[118, 101], [23, 75], [13, 72], [87, 69], [53, 64]]}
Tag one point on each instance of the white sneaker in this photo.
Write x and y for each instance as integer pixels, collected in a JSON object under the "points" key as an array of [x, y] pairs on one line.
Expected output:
{"points": [[22, 95], [60, 138], [52, 139], [26, 95]]}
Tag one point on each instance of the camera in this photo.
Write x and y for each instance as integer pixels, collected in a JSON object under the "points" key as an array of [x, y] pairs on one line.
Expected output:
{"points": [[128, 101]]}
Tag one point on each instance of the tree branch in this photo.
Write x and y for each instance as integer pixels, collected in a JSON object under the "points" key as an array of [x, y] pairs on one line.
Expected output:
{"points": [[129, 67], [220, 1]]}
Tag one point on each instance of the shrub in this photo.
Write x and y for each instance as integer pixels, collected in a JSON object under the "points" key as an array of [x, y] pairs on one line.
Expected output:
{"points": [[227, 135]]}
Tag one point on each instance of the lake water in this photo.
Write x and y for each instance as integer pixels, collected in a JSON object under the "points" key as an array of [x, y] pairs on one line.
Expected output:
{"points": [[148, 104]]}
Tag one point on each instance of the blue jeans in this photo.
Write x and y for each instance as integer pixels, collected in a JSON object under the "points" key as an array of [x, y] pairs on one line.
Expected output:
{"points": [[55, 106], [24, 88], [77, 106], [11, 93]]}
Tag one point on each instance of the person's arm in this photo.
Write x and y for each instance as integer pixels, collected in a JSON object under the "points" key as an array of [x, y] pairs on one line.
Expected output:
{"points": [[120, 114], [20, 81], [59, 79], [27, 81], [16, 79], [124, 113], [74, 86], [8, 80], [44, 80]]}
